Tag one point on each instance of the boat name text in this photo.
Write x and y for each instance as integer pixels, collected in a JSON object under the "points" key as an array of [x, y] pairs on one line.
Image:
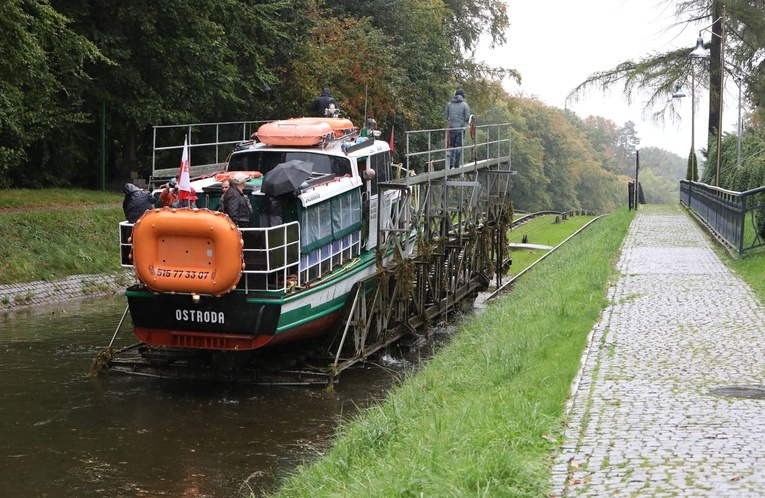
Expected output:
{"points": [[200, 316]]}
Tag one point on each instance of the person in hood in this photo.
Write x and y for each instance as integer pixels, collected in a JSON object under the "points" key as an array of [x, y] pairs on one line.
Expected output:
{"points": [[137, 202], [320, 104], [457, 115]]}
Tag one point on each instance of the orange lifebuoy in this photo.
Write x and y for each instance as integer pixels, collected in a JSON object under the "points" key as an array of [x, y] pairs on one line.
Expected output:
{"points": [[194, 251]]}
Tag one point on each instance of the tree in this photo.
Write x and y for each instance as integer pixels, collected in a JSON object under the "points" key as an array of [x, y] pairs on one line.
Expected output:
{"points": [[693, 167], [42, 86], [657, 74], [626, 147]]}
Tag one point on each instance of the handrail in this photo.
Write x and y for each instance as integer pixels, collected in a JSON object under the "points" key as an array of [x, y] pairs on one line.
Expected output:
{"points": [[726, 212], [195, 129]]}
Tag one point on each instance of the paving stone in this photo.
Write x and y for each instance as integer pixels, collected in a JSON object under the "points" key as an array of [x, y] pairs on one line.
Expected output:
{"points": [[679, 325]]}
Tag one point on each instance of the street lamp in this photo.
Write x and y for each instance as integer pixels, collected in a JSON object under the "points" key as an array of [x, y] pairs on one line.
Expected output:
{"points": [[701, 53], [698, 53]]}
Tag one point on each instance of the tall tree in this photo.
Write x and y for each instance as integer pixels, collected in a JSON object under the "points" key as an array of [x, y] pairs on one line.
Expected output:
{"points": [[42, 86], [657, 74], [627, 146]]}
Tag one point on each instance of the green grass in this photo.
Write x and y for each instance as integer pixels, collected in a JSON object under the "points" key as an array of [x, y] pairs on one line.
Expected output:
{"points": [[50, 244], [483, 417], [543, 231], [750, 268], [57, 197]]}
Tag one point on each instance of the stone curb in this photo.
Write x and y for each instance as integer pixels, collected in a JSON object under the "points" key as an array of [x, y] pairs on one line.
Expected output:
{"points": [[24, 295]]}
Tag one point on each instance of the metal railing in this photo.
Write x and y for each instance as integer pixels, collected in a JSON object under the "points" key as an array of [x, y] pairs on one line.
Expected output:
{"points": [[428, 150], [733, 216], [271, 256], [215, 140]]}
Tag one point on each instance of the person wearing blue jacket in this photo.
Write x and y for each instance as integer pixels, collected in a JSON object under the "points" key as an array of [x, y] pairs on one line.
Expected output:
{"points": [[457, 115]]}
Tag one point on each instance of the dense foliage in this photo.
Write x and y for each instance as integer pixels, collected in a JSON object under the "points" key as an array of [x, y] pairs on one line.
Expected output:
{"points": [[734, 34], [85, 80]]}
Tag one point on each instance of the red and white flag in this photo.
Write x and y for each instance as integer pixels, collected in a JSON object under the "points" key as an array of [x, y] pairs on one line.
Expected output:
{"points": [[184, 181], [391, 141]]}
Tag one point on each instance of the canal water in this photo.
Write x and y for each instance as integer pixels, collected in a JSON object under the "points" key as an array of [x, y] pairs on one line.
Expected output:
{"points": [[64, 434]]}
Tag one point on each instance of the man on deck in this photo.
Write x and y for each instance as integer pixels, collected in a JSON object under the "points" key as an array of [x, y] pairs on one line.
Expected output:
{"points": [[457, 114]]}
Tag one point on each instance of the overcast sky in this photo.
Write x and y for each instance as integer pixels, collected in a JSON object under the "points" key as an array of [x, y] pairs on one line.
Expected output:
{"points": [[557, 44]]}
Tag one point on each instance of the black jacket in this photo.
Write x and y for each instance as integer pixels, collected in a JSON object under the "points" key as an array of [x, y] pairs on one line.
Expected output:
{"points": [[320, 104], [136, 202], [237, 206]]}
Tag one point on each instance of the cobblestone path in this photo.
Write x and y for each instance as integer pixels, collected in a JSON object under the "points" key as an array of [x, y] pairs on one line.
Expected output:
{"points": [[643, 419]]}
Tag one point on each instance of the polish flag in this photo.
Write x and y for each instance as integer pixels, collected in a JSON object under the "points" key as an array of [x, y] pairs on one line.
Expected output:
{"points": [[184, 181], [391, 141]]}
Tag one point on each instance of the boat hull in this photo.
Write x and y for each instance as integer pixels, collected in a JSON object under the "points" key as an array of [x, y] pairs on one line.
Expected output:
{"points": [[238, 321]]}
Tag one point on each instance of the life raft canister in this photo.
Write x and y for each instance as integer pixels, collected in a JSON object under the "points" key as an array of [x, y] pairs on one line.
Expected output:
{"points": [[230, 175], [303, 132], [194, 251]]}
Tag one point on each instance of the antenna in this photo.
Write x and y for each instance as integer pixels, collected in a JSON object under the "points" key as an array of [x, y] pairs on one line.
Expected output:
{"points": [[366, 96]]}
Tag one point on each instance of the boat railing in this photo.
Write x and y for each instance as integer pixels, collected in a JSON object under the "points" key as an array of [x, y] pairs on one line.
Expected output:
{"points": [[271, 256], [209, 146]]}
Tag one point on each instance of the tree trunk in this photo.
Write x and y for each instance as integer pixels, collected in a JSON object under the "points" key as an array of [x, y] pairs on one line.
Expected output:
{"points": [[129, 161], [715, 70]]}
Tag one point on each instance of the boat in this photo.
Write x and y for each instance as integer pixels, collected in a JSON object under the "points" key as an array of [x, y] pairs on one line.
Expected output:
{"points": [[203, 284]]}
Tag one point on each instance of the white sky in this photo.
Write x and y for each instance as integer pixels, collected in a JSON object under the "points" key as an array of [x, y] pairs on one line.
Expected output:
{"points": [[557, 44]]}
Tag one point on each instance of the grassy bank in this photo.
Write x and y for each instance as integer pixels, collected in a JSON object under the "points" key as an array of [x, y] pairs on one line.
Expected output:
{"points": [[483, 417], [51, 243], [544, 231], [55, 197]]}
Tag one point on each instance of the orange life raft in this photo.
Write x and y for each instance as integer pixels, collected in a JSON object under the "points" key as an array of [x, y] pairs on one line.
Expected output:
{"points": [[303, 131], [229, 175], [194, 251]]}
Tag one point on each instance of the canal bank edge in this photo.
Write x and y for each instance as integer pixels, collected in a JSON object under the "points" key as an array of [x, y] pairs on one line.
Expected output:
{"points": [[23, 295]]}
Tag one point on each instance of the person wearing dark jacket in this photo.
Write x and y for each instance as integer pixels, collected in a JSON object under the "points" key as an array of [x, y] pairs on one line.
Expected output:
{"points": [[271, 210], [320, 104], [235, 204], [457, 115], [136, 202]]}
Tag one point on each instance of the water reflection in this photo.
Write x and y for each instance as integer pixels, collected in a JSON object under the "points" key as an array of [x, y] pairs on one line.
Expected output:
{"points": [[63, 434]]}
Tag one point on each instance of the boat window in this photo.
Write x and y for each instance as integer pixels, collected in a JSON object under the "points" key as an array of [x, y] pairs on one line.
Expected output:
{"points": [[265, 160], [346, 213], [320, 224], [381, 164]]}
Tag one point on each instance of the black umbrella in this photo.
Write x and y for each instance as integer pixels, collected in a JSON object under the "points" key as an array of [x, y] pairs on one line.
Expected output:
{"points": [[286, 177]]}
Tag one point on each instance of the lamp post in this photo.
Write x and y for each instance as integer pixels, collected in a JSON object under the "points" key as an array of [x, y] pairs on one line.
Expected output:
{"points": [[698, 53], [722, 83], [738, 125]]}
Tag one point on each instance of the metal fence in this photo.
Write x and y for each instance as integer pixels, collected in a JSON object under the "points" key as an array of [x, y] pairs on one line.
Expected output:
{"points": [[209, 145], [733, 216]]}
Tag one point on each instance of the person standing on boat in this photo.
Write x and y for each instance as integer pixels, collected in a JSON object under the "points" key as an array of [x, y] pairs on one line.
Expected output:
{"points": [[457, 114], [137, 202], [235, 204], [224, 186], [320, 104], [271, 210]]}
